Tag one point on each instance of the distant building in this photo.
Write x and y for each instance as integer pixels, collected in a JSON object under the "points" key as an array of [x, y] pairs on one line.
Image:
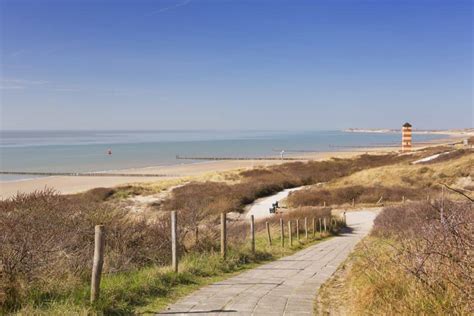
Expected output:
{"points": [[406, 137]]}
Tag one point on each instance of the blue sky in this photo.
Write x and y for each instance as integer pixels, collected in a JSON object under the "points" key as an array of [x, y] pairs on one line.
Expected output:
{"points": [[203, 64]]}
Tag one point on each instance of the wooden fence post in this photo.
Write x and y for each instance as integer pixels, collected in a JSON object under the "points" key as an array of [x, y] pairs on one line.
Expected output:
{"points": [[306, 227], [174, 241], [98, 262], [324, 204], [320, 228], [282, 230], [325, 227], [268, 233], [196, 235], [314, 227], [353, 202], [290, 233], [252, 233], [298, 229], [403, 199], [223, 235]]}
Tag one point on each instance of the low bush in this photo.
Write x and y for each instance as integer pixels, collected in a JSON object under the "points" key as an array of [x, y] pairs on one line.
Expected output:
{"points": [[418, 261], [360, 194], [46, 243], [205, 198]]}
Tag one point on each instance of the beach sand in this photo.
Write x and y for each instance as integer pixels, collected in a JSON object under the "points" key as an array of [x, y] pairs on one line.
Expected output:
{"points": [[75, 184]]}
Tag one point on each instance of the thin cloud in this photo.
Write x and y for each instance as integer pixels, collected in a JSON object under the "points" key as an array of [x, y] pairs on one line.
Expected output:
{"points": [[2, 87], [23, 82], [17, 53], [19, 84], [180, 4]]}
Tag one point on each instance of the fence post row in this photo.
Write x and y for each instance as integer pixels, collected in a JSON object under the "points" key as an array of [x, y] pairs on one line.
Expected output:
{"points": [[282, 229], [98, 262], [174, 241], [252, 233], [223, 235], [268, 233]]}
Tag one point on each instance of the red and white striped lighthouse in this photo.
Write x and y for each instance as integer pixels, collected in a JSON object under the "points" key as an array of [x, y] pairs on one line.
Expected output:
{"points": [[406, 137]]}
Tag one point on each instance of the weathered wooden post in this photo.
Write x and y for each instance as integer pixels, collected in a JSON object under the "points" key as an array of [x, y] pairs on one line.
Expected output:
{"points": [[98, 261], [353, 202], [320, 228], [252, 233], [223, 235], [290, 233], [174, 241], [306, 227], [196, 235], [324, 204], [297, 229], [314, 227], [325, 227], [403, 199], [268, 233], [282, 231]]}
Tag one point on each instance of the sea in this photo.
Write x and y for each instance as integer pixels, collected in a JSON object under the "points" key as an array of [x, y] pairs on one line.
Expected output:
{"points": [[94, 151]]}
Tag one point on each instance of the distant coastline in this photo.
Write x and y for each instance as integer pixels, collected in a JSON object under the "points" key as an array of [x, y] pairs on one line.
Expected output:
{"points": [[451, 132]]}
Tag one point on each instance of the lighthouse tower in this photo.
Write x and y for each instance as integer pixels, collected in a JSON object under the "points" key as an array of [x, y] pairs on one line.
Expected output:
{"points": [[406, 137]]}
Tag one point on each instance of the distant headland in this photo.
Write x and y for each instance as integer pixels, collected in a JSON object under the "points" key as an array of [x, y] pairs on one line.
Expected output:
{"points": [[454, 132]]}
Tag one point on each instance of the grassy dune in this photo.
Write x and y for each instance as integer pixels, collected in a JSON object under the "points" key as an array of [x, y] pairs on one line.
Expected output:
{"points": [[391, 182], [417, 261]]}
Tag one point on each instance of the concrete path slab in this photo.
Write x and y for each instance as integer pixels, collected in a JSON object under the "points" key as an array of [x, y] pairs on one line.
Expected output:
{"points": [[284, 287], [261, 207]]}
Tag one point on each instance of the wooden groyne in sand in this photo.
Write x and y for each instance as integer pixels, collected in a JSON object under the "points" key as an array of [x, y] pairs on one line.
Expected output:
{"points": [[239, 158], [85, 174]]}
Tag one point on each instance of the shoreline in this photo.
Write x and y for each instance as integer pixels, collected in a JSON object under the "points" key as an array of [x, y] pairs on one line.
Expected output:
{"points": [[193, 170]]}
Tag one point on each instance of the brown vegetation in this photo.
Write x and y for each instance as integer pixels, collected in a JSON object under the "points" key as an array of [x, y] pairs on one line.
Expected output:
{"points": [[206, 198], [360, 194], [418, 260], [48, 238], [391, 182]]}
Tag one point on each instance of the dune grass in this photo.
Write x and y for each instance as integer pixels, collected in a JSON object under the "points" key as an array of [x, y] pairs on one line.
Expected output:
{"points": [[417, 261]]}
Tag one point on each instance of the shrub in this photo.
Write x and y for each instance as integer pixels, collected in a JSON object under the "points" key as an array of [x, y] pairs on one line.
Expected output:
{"points": [[47, 239], [433, 243], [360, 194]]}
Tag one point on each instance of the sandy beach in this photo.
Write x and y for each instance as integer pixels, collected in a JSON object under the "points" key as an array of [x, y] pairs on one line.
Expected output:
{"points": [[75, 184]]}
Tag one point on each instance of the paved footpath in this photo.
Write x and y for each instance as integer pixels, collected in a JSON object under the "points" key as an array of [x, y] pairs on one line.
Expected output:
{"points": [[286, 286]]}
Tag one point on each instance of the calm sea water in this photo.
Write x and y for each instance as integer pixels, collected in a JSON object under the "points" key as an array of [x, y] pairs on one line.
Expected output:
{"points": [[81, 151]]}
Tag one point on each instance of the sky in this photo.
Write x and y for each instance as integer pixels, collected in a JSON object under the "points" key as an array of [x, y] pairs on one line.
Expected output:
{"points": [[209, 64]]}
